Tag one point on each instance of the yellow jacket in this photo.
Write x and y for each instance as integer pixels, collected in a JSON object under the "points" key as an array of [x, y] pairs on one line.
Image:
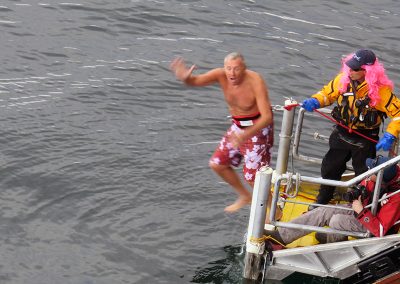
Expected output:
{"points": [[388, 103]]}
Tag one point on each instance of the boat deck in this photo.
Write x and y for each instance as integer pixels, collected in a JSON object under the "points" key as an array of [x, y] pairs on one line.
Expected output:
{"points": [[342, 260]]}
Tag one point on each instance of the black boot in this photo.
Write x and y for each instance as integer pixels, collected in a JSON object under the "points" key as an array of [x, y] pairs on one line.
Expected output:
{"points": [[324, 196]]}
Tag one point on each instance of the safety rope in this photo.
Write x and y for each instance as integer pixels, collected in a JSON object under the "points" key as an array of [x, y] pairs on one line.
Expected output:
{"points": [[265, 238], [289, 185], [350, 130]]}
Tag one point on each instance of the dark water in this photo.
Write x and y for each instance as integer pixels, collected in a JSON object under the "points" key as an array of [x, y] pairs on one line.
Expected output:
{"points": [[104, 157]]}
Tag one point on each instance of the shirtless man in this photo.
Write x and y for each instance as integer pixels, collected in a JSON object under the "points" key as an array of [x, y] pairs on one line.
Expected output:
{"points": [[251, 134]]}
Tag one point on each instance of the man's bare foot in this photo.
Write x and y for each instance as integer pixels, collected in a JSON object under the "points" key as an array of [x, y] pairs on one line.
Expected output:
{"points": [[239, 203]]}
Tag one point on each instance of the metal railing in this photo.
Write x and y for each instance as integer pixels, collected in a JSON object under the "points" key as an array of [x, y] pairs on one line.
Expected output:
{"points": [[378, 170], [265, 177], [282, 174]]}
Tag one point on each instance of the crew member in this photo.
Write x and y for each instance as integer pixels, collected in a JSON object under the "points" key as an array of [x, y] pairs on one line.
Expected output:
{"points": [[364, 96]]}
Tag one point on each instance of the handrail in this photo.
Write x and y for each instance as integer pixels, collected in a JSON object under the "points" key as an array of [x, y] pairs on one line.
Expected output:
{"points": [[296, 140], [354, 180], [315, 160], [374, 204], [255, 243], [275, 198]]}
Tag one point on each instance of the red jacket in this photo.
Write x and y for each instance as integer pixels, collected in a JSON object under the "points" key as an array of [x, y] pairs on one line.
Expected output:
{"points": [[388, 212]]}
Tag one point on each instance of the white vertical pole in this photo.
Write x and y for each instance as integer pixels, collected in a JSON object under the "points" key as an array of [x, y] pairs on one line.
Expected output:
{"points": [[285, 137], [255, 232], [262, 187], [255, 245]]}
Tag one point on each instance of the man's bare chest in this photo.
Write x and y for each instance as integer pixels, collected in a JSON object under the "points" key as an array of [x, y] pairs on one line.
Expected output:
{"points": [[242, 98]]}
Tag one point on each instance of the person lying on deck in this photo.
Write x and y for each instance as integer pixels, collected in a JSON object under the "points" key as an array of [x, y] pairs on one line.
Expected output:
{"points": [[386, 221]]}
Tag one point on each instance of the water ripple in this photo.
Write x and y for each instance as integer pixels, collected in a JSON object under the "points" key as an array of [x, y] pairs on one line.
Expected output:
{"points": [[105, 154]]}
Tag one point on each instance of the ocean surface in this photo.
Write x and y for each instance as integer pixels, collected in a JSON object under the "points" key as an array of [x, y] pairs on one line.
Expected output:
{"points": [[104, 175]]}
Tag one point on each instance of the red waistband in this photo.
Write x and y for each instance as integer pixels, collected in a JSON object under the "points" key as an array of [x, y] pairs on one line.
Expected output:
{"points": [[245, 120], [247, 116]]}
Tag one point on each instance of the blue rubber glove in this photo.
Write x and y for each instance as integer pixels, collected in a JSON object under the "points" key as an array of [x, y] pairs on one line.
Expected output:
{"points": [[385, 142], [310, 104]]}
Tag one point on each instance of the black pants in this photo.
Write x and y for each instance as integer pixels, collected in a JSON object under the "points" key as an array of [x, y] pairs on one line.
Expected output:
{"points": [[343, 147]]}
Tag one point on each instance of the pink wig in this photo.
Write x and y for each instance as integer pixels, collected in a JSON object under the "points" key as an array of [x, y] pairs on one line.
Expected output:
{"points": [[375, 76]]}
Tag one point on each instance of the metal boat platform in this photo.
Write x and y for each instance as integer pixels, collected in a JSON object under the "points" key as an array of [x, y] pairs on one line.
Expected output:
{"points": [[361, 259], [337, 260]]}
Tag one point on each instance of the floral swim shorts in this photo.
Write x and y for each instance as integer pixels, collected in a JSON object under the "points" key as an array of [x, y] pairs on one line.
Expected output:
{"points": [[256, 151]]}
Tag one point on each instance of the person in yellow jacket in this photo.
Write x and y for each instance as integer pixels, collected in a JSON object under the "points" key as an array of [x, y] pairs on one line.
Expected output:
{"points": [[364, 96]]}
